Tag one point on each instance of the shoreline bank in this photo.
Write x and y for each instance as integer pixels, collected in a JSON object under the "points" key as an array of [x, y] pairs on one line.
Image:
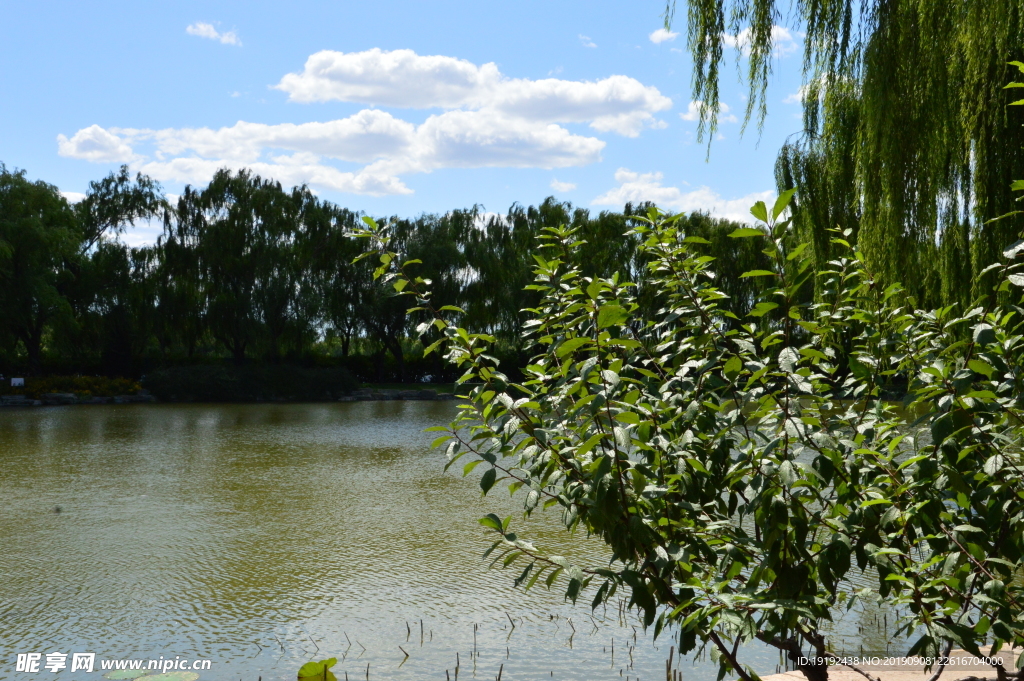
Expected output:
{"points": [[144, 397]]}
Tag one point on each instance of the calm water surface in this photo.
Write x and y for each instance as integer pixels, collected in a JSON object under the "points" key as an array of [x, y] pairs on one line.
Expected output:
{"points": [[260, 537]]}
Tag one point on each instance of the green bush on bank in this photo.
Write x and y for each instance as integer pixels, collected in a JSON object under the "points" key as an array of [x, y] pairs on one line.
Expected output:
{"points": [[747, 476], [95, 386], [249, 383]]}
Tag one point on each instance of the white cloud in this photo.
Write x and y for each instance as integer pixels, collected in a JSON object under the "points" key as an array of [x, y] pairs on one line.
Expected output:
{"points": [[696, 108], [97, 145], [396, 78], [636, 188], [662, 35], [796, 97], [483, 218], [286, 170], [361, 138], [486, 120], [586, 41], [205, 30], [402, 78], [562, 186], [821, 84], [73, 197], [471, 139], [784, 41], [144, 232], [389, 146]]}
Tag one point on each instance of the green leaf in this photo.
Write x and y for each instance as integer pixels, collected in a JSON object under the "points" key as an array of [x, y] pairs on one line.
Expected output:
{"points": [[611, 315], [433, 346], [571, 345], [788, 473], [760, 211], [782, 203], [795, 253], [757, 273], [984, 334], [733, 366], [589, 444], [744, 232], [1014, 250], [981, 367], [315, 670], [488, 479], [763, 308]]}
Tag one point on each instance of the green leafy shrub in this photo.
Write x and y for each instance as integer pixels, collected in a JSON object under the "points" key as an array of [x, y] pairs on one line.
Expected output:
{"points": [[254, 383], [97, 386], [742, 473]]}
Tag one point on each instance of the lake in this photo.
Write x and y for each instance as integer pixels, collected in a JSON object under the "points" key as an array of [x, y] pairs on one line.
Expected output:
{"points": [[260, 537]]}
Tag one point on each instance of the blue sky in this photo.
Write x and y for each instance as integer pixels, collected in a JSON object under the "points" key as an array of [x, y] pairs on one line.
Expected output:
{"points": [[389, 107]]}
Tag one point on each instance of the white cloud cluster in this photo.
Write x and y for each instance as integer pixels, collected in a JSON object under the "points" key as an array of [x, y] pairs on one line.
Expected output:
{"points": [[562, 187], [784, 41], [821, 84], [696, 108], [796, 97], [487, 120], [389, 147], [205, 30], [402, 78], [636, 188], [97, 145], [662, 35]]}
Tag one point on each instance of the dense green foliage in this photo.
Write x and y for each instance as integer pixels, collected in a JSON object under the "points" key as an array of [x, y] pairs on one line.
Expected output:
{"points": [[83, 386], [249, 383], [739, 472], [907, 138], [246, 271]]}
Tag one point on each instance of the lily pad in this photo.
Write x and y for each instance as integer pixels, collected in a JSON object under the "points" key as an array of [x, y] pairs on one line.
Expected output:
{"points": [[173, 676], [318, 671], [125, 674]]}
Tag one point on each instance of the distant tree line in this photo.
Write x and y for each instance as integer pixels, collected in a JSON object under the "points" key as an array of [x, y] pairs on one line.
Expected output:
{"points": [[246, 271]]}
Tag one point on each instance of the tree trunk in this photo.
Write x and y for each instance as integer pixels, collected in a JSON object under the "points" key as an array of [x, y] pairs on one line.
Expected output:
{"points": [[238, 352], [33, 340], [395, 347], [813, 670], [378, 362], [346, 340]]}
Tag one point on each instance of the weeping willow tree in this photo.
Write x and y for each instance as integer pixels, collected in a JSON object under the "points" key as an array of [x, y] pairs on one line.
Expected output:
{"points": [[907, 137]]}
